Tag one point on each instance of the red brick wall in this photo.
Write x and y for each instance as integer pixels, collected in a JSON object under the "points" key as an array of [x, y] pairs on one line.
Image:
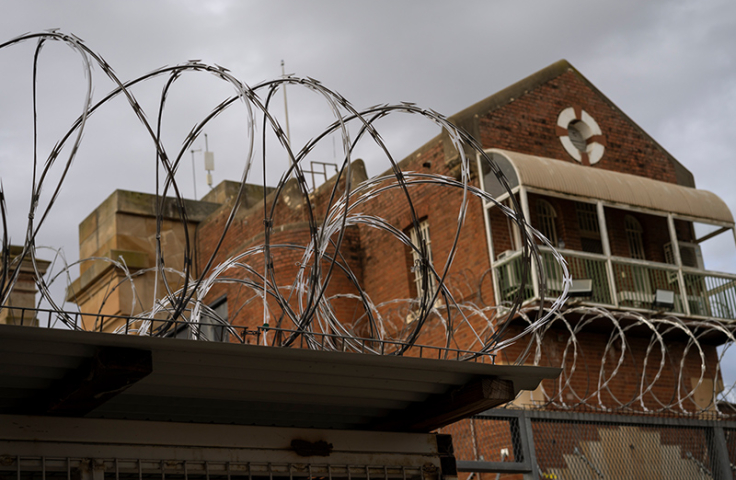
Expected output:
{"points": [[625, 385], [527, 125], [290, 228], [381, 262]]}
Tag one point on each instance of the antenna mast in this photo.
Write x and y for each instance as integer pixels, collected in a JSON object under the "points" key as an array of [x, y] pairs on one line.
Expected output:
{"points": [[194, 172], [286, 106], [209, 161]]}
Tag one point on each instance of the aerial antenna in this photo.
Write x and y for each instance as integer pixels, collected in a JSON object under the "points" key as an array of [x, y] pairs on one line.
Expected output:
{"points": [[286, 106], [194, 172], [209, 161]]}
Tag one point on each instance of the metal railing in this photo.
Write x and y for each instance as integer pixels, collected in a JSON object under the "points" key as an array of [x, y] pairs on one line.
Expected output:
{"points": [[710, 294], [637, 281], [580, 265], [625, 283], [509, 272], [169, 328]]}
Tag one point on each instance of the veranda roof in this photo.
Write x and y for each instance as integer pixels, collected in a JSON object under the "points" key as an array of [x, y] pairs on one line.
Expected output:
{"points": [[613, 187]]}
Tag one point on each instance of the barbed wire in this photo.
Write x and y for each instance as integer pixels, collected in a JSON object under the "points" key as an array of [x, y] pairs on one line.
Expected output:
{"points": [[634, 349], [302, 302]]}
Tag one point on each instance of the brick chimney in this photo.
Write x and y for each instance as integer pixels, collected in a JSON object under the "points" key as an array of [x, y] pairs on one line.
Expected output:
{"points": [[24, 292]]}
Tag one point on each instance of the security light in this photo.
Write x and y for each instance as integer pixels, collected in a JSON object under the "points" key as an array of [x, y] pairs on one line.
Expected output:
{"points": [[582, 287], [664, 299]]}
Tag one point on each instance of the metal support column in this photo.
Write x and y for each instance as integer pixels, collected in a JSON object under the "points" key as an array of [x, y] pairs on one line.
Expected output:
{"points": [[603, 228], [526, 437], [523, 196], [720, 463], [678, 261]]}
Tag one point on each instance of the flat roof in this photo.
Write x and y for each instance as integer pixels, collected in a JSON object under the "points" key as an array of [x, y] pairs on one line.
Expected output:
{"points": [[48, 371]]}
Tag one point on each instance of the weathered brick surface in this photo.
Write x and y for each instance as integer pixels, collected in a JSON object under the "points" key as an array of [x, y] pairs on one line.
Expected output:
{"points": [[382, 264], [527, 125]]}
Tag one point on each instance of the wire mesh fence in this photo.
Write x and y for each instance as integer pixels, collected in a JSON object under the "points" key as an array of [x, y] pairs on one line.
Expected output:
{"points": [[570, 449], [572, 445], [730, 437]]}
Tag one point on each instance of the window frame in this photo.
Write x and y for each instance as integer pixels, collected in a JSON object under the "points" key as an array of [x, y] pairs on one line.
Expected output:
{"points": [[547, 221], [417, 258], [634, 237]]}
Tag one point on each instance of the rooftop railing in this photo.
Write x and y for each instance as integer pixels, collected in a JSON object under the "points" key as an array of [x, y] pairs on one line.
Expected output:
{"points": [[626, 283], [194, 330]]}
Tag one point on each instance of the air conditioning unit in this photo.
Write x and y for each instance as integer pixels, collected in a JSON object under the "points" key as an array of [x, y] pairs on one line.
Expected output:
{"points": [[690, 255]]}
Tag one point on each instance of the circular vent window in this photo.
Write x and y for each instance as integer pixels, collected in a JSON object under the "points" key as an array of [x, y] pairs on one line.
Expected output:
{"points": [[580, 135]]}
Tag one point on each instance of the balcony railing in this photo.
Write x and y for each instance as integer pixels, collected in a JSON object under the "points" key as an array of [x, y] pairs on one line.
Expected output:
{"points": [[637, 282], [711, 294], [625, 283]]}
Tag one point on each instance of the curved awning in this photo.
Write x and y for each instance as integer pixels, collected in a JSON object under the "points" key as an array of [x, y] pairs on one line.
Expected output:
{"points": [[615, 187]]}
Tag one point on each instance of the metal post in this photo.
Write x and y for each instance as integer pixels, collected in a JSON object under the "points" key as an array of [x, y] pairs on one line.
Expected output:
{"points": [[194, 175], [286, 107], [603, 228], [527, 220], [489, 239], [678, 261], [720, 463], [91, 470], [526, 435]]}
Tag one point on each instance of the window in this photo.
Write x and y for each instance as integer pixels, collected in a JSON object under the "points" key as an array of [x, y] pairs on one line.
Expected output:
{"points": [[575, 131], [546, 216], [634, 237], [590, 232], [417, 239]]}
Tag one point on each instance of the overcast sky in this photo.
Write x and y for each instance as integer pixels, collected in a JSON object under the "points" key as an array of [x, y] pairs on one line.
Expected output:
{"points": [[670, 65]]}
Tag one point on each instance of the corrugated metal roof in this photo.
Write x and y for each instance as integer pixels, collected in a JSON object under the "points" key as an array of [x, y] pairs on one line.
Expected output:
{"points": [[209, 382], [616, 187]]}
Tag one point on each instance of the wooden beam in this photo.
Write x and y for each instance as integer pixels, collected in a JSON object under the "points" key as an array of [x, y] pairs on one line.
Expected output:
{"points": [[439, 410], [109, 372]]}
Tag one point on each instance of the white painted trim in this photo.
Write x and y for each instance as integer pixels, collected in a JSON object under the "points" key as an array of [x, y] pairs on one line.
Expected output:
{"points": [[676, 250], [571, 149], [603, 229], [524, 200], [594, 150], [595, 129], [489, 235]]}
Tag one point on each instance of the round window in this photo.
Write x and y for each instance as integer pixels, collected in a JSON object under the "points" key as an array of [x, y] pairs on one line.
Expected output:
{"points": [[580, 135], [577, 137]]}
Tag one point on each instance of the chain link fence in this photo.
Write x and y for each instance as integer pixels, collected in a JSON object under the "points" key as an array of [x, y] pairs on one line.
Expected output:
{"points": [[521, 444]]}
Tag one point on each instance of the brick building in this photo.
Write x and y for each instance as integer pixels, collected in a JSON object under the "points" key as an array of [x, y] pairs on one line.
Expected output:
{"points": [[586, 176], [621, 210]]}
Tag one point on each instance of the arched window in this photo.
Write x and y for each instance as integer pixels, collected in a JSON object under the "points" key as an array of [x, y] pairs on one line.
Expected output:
{"points": [[634, 237], [547, 217]]}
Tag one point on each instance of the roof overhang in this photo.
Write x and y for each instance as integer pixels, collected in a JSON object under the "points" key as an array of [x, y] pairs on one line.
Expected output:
{"points": [[568, 178], [100, 375]]}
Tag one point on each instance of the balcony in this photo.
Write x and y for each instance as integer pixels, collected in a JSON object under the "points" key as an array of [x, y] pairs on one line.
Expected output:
{"points": [[634, 237], [624, 283]]}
